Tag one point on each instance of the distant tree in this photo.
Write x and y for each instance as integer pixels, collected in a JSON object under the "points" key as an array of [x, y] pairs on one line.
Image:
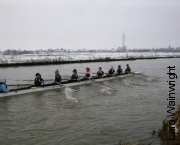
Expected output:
{"points": [[16, 52], [6, 52], [177, 49], [37, 52], [50, 50]]}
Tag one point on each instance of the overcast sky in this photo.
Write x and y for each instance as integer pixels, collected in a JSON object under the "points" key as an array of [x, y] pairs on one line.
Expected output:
{"points": [[90, 24]]}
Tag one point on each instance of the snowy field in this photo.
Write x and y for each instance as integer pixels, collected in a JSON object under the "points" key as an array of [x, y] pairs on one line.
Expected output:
{"points": [[79, 56]]}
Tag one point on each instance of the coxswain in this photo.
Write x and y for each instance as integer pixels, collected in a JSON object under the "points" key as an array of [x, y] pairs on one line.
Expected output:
{"points": [[38, 81], [75, 77], [57, 77], [100, 73], [119, 70], [111, 72], [128, 69], [3, 86], [88, 73]]}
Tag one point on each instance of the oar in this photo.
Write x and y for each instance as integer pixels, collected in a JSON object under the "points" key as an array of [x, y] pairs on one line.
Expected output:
{"points": [[73, 90], [67, 76], [104, 85], [92, 73], [138, 73], [44, 80], [15, 90], [20, 85], [149, 77], [47, 85], [142, 75], [29, 86], [61, 85]]}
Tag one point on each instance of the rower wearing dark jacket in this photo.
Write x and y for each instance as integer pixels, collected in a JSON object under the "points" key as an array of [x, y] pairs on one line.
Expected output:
{"points": [[111, 72], [119, 70], [75, 77], [38, 81], [128, 69], [57, 77], [100, 73]]}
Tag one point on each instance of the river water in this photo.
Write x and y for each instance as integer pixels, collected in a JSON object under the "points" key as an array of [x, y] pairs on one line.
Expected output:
{"points": [[93, 115]]}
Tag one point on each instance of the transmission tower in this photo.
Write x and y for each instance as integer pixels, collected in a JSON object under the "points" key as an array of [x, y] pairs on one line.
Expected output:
{"points": [[123, 37]]}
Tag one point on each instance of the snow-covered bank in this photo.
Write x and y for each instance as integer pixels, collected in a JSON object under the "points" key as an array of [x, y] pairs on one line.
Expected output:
{"points": [[28, 58]]}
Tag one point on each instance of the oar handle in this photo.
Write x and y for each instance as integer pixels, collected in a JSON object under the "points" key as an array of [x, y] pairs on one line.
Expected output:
{"points": [[19, 85], [45, 80], [19, 89]]}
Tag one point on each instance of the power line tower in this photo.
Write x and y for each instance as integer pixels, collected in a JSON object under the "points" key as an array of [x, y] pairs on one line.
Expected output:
{"points": [[123, 37]]}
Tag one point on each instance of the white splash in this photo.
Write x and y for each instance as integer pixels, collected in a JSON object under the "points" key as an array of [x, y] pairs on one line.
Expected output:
{"points": [[105, 90], [69, 95], [150, 78], [126, 83], [134, 84]]}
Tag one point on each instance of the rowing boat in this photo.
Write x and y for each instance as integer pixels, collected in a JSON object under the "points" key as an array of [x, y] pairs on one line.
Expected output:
{"points": [[66, 84]]}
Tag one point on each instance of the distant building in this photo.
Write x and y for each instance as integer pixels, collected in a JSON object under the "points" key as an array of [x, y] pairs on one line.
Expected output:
{"points": [[112, 49], [122, 49], [170, 49], [169, 46], [57, 49]]}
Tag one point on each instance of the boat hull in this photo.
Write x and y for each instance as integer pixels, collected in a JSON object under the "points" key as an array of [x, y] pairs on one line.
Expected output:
{"points": [[40, 89]]}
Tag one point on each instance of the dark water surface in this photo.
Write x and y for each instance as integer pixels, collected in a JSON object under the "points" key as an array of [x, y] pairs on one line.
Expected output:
{"points": [[92, 116]]}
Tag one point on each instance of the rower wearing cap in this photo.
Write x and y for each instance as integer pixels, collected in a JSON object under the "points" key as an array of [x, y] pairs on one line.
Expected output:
{"points": [[38, 81], [119, 70], [100, 73], [88, 73], [57, 77], [3, 86], [128, 69], [75, 77], [111, 72]]}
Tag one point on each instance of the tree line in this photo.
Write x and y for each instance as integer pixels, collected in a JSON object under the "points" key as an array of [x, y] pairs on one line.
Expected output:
{"points": [[156, 50], [19, 52]]}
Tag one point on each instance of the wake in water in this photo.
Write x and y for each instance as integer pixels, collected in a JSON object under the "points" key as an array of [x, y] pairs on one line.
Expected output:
{"points": [[131, 83], [105, 90], [69, 95], [150, 78]]}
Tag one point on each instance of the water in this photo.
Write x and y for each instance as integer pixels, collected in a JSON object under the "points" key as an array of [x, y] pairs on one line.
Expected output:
{"points": [[94, 114]]}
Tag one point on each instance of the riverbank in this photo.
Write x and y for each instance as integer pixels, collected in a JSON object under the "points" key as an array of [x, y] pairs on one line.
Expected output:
{"points": [[55, 62]]}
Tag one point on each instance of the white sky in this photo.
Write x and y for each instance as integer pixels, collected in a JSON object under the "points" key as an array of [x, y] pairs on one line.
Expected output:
{"points": [[90, 24]]}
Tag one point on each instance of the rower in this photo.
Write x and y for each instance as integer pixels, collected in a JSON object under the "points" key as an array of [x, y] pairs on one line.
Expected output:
{"points": [[75, 77], [111, 72], [38, 81], [119, 70], [57, 77], [88, 73], [128, 69], [100, 73], [3, 86]]}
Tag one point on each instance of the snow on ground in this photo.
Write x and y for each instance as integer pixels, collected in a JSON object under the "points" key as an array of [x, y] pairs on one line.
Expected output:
{"points": [[59, 56]]}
